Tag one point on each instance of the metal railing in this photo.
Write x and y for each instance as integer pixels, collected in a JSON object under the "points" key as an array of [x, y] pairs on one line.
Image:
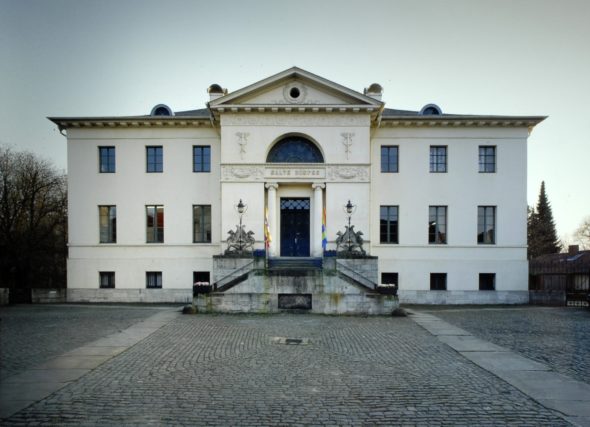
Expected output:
{"points": [[224, 281]]}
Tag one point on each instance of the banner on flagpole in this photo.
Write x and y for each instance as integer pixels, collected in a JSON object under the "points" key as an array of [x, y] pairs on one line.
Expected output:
{"points": [[324, 230], [267, 236]]}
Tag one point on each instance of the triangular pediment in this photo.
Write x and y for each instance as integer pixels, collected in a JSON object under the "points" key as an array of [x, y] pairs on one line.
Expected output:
{"points": [[295, 88]]}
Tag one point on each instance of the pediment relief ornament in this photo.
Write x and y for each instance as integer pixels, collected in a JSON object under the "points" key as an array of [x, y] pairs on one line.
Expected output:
{"points": [[248, 173], [347, 141], [242, 142], [349, 173], [326, 173]]}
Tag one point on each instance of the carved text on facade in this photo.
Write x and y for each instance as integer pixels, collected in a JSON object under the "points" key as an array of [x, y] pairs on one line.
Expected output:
{"points": [[327, 173]]}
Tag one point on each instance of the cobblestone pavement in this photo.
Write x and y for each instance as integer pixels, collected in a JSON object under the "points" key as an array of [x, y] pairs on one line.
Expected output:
{"points": [[228, 370], [32, 334], [556, 336]]}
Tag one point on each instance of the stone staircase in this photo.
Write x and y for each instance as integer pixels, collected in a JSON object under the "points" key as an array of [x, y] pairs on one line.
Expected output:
{"points": [[328, 285], [295, 263]]}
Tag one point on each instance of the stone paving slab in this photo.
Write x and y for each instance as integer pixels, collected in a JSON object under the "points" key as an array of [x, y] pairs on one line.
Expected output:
{"points": [[74, 362], [44, 376], [93, 350], [548, 385], [503, 361], [27, 391], [468, 343]]}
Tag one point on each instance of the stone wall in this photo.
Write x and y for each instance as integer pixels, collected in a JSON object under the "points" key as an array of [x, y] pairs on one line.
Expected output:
{"points": [[327, 303], [48, 296], [183, 296], [367, 267], [463, 297], [224, 265]]}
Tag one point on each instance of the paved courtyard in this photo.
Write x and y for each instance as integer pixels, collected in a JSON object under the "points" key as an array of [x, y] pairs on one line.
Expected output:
{"points": [[244, 370], [556, 336], [31, 334]]}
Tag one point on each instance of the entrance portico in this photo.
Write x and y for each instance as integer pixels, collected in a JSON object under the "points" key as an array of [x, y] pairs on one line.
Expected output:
{"points": [[295, 218]]}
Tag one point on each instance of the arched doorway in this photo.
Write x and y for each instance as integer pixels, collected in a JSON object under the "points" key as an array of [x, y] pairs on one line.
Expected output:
{"points": [[295, 211]]}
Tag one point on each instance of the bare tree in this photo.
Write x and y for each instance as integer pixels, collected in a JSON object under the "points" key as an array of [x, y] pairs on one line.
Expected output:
{"points": [[33, 221], [582, 234]]}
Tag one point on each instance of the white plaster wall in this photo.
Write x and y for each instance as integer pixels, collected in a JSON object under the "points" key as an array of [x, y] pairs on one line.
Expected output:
{"points": [[413, 189], [131, 188], [337, 196], [266, 129], [462, 189], [252, 194]]}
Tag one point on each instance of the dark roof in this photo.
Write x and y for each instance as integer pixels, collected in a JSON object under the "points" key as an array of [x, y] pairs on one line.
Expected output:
{"points": [[202, 112], [387, 112]]}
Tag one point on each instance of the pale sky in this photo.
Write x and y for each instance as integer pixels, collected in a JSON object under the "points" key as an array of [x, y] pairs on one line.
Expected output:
{"points": [[122, 57]]}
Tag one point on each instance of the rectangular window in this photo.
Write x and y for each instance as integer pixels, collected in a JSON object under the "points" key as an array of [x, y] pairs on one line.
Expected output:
{"points": [[106, 159], [201, 158], [154, 158], [389, 279], [155, 224], [388, 225], [487, 281], [438, 281], [202, 277], [108, 224], [107, 279], [201, 224], [389, 158], [437, 224], [487, 159], [438, 158], [486, 225], [153, 279]]}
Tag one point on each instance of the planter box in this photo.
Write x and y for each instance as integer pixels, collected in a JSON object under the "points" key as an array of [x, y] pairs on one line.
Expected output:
{"points": [[387, 290], [201, 289]]}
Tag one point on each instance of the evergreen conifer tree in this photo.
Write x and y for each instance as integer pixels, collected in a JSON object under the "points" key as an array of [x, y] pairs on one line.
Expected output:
{"points": [[541, 233]]}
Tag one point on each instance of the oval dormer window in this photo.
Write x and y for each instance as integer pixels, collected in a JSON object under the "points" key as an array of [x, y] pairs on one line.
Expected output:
{"points": [[431, 110], [295, 149], [161, 110]]}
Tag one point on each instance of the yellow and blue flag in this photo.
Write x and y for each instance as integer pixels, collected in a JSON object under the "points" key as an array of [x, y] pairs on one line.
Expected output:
{"points": [[267, 236], [324, 231]]}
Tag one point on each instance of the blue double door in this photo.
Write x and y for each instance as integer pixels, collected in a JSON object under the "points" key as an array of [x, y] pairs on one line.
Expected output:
{"points": [[295, 227]]}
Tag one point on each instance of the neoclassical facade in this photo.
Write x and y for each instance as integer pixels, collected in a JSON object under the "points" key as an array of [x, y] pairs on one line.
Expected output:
{"points": [[440, 198]]}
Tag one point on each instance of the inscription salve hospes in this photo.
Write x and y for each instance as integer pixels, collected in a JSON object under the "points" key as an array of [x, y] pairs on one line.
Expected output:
{"points": [[330, 173]]}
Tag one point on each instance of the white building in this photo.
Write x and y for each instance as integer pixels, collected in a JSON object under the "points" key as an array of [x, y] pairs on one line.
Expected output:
{"points": [[440, 198]]}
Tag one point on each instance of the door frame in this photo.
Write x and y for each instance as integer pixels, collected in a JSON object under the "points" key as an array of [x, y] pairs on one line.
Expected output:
{"points": [[309, 225]]}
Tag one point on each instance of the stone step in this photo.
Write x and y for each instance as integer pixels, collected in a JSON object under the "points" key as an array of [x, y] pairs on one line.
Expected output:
{"points": [[295, 263]]}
